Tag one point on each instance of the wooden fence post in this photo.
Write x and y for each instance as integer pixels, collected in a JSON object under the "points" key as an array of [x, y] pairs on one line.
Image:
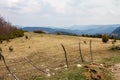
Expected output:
{"points": [[65, 55], [91, 51], [80, 51], [30, 62], [8, 69]]}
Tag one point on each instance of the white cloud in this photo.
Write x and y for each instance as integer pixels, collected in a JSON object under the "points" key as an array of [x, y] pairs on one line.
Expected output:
{"points": [[21, 6], [31, 6], [60, 6], [62, 12], [8, 2], [63, 6]]}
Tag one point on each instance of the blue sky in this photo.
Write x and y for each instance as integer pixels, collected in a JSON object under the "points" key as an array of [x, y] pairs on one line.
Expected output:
{"points": [[60, 13]]}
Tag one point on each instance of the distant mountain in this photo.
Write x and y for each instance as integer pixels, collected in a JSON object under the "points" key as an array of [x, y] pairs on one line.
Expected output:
{"points": [[64, 33], [117, 32], [46, 29], [50, 30], [76, 29], [93, 29]]}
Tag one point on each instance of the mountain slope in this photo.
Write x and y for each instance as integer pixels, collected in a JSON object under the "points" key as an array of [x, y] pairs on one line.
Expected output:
{"points": [[51, 30], [84, 29], [117, 32], [93, 29]]}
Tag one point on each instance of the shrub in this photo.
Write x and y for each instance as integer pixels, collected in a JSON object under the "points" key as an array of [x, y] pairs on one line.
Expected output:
{"points": [[83, 35], [85, 42], [2, 77], [26, 37], [16, 33], [1, 41], [105, 38], [114, 39], [0, 49], [29, 47], [8, 31], [98, 35], [58, 33], [10, 49], [39, 31]]}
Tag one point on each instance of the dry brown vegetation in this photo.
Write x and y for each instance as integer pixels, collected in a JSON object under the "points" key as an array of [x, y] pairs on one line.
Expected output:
{"points": [[45, 51], [8, 31]]}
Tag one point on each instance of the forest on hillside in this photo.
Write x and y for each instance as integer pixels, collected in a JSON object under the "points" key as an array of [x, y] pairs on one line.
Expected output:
{"points": [[8, 31]]}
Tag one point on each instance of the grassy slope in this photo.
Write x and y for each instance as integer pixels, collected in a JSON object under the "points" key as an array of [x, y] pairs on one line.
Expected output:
{"points": [[46, 52]]}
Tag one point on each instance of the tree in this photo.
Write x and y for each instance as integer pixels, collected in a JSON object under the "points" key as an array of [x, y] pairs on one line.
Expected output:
{"points": [[105, 38], [8, 31], [39, 31]]}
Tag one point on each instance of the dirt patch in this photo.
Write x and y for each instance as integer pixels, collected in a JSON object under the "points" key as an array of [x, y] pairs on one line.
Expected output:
{"points": [[95, 72], [115, 69]]}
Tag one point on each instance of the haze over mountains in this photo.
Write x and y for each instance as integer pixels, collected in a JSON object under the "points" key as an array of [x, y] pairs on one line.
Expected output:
{"points": [[77, 29], [94, 29], [117, 32]]}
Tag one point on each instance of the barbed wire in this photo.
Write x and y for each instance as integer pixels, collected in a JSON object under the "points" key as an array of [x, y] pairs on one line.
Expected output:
{"points": [[73, 48]]}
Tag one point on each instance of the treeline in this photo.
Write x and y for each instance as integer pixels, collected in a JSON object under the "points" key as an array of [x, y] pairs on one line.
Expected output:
{"points": [[39, 31], [8, 31], [99, 36]]}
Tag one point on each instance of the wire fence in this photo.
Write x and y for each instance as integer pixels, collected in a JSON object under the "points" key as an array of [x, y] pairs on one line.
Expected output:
{"points": [[46, 61]]}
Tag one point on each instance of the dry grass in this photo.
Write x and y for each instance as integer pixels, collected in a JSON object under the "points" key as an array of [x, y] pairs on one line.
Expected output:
{"points": [[46, 52]]}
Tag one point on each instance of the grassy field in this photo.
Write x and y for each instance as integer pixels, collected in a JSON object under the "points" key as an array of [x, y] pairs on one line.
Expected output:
{"points": [[45, 51]]}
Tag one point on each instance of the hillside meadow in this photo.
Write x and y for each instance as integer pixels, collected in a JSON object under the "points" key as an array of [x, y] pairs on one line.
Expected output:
{"points": [[45, 52]]}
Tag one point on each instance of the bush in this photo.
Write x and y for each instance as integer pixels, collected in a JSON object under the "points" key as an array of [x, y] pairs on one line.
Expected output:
{"points": [[8, 31], [10, 49], [4, 37], [1, 41], [58, 33], [98, 35], [105, 38], [26, 37], [39, 31], [16, 33], [12, 35], [0, 49], [114, 39]]}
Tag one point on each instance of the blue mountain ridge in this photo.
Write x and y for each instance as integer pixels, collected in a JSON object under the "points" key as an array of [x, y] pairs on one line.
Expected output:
{"points": [[117, 32], [84, 29]]}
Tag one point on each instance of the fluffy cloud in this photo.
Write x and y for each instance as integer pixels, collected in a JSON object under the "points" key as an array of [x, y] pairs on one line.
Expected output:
{"points": [[62, 6], [21, 6], [61, 12], [59, 6], [8, 2]]}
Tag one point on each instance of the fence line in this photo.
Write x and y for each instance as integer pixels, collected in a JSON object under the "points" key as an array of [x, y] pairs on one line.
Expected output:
{"points": [[75, 48], [8, 69], [29, 61], [91, 51], [65, 55], [80, 51]]}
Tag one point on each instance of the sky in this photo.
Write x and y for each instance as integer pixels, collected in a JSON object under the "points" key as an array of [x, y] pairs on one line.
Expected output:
{"points": [[60, 13]]}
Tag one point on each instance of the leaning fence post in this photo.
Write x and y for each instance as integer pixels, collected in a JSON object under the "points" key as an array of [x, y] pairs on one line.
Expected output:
{"points": [[65, 55], [30, 62], [12, 74], [80, 51], [91, 51]]}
